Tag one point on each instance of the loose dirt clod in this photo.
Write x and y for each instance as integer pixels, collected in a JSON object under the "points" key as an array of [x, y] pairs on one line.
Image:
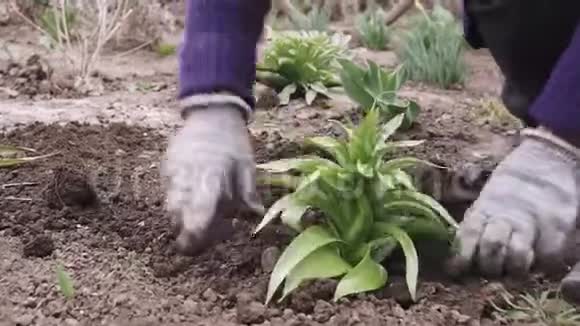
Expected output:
{"points": [[39, 246], [69, 187], [250, 313]]}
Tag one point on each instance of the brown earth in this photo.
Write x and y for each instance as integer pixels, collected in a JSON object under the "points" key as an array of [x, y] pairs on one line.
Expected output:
{"points": [[97, 208]]}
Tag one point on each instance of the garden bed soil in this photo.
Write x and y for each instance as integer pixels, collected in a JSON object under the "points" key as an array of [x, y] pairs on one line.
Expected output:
{"points": [[97, 207]]}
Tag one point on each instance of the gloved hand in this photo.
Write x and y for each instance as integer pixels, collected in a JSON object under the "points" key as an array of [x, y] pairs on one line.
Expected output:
{"points": [[210, 171], [525, 212]]}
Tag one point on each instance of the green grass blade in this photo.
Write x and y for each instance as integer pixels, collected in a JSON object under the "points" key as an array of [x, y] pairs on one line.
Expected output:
{"points": [[301, 247], [11, 162], [65, 282], [367, 275], [8, 149]]}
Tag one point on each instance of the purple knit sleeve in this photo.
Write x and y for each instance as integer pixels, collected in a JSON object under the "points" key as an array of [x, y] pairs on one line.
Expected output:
{"points": [[470, 31], [219, 47], [558, 106]]}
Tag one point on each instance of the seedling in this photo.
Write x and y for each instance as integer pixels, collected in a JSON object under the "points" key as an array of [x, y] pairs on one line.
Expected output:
{"points": [[432, 49], [373, 30], [65, 283], [375, 88], [302, 64], [369, 207]]}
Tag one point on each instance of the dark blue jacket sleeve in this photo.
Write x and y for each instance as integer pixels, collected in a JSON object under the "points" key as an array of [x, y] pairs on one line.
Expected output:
{"points": [[219, 46], [558, 106], [471, 33]]}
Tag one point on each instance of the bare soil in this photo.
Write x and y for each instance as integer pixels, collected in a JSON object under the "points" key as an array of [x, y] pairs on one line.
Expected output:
{"points": [[97, 208]]}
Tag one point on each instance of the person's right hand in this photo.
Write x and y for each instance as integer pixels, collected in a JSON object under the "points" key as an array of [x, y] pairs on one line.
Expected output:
{"points": [[525, 212], [211, 174]]}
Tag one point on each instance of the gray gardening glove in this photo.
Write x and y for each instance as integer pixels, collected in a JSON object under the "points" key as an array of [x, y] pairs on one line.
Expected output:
{"points": [[525, 212], [210, 171]]}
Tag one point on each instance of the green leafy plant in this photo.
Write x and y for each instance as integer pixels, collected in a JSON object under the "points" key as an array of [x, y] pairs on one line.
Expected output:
{"points": [[317, 19], [11, 156], [65, 283], [55, 20], [373, 30], [302, 64], [547, 308], [375, 88], [369, 207], [432, 49]]}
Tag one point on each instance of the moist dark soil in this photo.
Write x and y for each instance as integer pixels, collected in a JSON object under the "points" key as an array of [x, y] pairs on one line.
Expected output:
{"points": [[102, 192]]}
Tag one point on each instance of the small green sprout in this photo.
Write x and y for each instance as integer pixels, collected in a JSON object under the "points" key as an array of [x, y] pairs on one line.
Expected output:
{"points": [[376, 88], [65, 283], [302, 64]]}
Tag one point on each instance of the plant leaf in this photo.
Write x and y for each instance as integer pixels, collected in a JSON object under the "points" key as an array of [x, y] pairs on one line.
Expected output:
{"points": [[11, 149], [319, 88], [403, 179], [406, 143], [329, 145], [301, 247], [292, 215], [382, 248], [286, 93], [305, 164], [390, 127], [427, 201], [405, 207], [278, 180], [352, 78], [278, 207], [419, 229], [325, 262], [342, 126], [411, 257], [11, 162], [367, 275], [365, 169], [310, 96], [404, 163]]}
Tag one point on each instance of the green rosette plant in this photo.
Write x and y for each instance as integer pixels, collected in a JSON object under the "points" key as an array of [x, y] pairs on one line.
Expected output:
{"points": [[369, 207]]}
